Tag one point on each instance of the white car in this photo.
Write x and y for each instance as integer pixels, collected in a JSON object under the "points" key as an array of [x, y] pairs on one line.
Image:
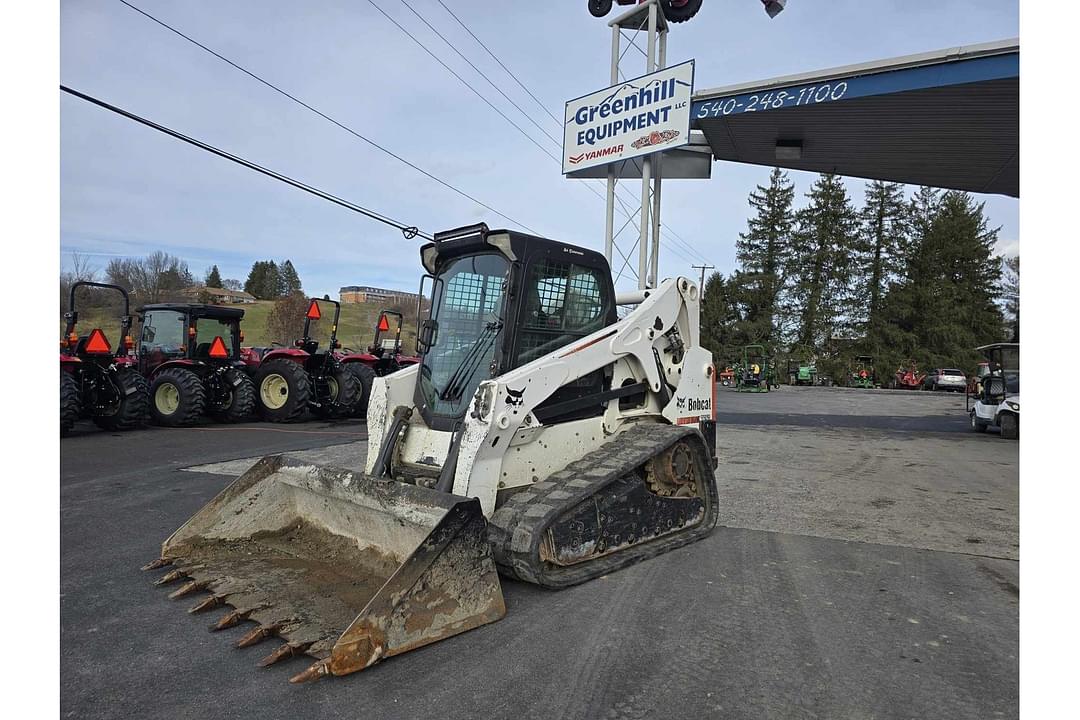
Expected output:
{"points": [[946, 379]]}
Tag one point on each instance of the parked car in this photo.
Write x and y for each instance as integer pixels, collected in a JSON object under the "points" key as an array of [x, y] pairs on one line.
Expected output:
{"points": [[946, 379]]}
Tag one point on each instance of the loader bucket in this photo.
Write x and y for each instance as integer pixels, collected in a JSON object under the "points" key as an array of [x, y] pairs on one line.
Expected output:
{"points": [[343, 567]]}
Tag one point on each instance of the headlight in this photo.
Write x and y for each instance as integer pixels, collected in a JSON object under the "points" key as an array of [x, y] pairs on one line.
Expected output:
{"points": [[1014, 406]]}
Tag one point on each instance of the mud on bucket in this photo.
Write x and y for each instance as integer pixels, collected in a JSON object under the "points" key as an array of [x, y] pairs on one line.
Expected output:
{"points": [[344, 567]]}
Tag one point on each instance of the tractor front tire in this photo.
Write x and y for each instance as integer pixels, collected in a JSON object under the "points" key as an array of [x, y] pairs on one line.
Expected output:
{"points": [[1010, 426], [69, 402], [365, 376], [242, 405], [344, 395], [177, 398], [134, 407], [283, 391]]}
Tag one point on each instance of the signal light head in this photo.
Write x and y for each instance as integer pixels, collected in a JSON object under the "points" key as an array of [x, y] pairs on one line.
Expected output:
{"points": [[218, 349], [313, 312], [191, 331], [73, 339], [97, 343], [241, 336]]}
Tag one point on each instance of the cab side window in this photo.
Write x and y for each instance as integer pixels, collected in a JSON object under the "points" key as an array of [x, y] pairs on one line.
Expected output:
{"points": [[563, 302], [162, 331]]}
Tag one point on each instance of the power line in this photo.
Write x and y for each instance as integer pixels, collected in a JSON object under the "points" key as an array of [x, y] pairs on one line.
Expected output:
{"points": [[496, 59], [409, 231], [323, 115], [480, 72], [464, 82], [703, 268]]}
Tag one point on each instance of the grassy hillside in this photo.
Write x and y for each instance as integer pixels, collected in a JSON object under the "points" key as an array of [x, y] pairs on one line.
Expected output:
{"points": [[355, 329]]}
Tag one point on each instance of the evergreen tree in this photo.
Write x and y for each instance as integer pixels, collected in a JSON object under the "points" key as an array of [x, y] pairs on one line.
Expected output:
{"points": [[289, 278], [819, 265], [264, 280], [946, 305], [885, 221], [1012, 297], [764, 250], [213, 277]]}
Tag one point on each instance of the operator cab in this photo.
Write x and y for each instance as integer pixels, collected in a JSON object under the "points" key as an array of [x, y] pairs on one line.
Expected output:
{"points": [[203, 333], [499, 300]]}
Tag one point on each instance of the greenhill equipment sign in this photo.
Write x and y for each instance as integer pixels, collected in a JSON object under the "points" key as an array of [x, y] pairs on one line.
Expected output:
{"points": [[637, 117]]}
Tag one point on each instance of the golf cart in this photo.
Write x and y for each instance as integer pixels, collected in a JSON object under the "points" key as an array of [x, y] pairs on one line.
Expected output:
{"points": [[997, 401]]}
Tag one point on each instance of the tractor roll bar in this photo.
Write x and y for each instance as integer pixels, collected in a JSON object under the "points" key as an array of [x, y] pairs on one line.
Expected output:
{"points": [[72, 315]]}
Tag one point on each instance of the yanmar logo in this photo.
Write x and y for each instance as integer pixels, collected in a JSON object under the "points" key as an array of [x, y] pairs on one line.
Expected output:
{"points": [[594, 154]]}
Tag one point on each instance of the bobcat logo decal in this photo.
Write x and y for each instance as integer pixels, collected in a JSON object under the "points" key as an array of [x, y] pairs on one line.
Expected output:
{"points": [[514, 398], [680, 403]]}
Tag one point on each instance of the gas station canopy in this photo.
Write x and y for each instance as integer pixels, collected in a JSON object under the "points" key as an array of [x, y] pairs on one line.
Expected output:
{"points": [[948, 119]]}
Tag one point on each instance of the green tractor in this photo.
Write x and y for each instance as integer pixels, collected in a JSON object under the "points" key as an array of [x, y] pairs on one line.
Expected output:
{"points": [[862, 374], [801, 367], [754, 374]]}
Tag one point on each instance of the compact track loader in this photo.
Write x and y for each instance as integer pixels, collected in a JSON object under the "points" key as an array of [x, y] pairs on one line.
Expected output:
{"points": [[539, 436]]}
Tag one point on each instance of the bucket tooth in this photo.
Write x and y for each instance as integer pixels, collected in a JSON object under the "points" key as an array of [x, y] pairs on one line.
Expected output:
{"points": [[187, 589], [234, 617], [211, 602], [155, 564], [314, 672], [171, 576], [284, 652], [257, 635]]}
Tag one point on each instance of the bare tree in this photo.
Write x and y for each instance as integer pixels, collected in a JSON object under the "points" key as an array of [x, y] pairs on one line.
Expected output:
{"points": [[157, 277]]}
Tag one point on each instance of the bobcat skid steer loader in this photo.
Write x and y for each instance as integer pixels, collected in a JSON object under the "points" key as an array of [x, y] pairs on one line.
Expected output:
{"points": [[539, 436]]}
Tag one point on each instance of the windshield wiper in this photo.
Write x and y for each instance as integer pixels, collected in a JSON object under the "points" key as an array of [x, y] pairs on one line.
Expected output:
{"points": [[463, 373]]}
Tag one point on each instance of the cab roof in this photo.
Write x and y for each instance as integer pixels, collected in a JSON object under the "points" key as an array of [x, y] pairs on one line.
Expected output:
{"points": [[198, 310]]}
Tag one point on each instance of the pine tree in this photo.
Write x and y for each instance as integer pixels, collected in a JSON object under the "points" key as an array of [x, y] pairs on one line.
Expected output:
{"points": [[819, 266], [213, 277], [764, 250], [289, 278], [256, 279], [1011, 273], [883, 237], [272, 285], [946, 305]]}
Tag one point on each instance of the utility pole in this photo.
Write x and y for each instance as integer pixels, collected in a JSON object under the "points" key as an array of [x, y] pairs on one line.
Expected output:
{"points": [[703, 268]]}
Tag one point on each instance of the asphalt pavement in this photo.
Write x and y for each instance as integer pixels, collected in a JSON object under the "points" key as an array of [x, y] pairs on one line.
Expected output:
{"points": [[842, 583]]}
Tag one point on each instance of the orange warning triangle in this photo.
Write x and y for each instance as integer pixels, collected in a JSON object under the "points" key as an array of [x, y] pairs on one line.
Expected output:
{"points": [[217, 348], [313, 311], [97, 343], [384, 324]]}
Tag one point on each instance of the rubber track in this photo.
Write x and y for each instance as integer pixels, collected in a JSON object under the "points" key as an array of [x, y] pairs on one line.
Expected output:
{"points": [[516, 529]]}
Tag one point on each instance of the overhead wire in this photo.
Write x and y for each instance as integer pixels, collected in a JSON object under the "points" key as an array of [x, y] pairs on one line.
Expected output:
{"points": [[409, 231], [323, 115], [675, 240]]}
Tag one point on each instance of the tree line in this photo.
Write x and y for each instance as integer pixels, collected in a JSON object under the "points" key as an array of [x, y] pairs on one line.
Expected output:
{"points": [[163, 277], [896, 278]]}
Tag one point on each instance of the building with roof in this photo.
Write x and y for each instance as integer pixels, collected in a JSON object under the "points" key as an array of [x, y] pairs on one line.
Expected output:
{"points": [[366, 293]]}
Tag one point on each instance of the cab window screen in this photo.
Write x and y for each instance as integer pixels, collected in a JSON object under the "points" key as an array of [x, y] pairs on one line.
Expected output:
{"points": [[563, 302]]}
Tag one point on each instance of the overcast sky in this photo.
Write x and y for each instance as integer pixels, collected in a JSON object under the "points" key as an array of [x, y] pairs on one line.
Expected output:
{"points": [[128, 190]]}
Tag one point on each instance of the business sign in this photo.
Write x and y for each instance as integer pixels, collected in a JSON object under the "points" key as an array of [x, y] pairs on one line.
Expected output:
{"points": [[637, 117]]}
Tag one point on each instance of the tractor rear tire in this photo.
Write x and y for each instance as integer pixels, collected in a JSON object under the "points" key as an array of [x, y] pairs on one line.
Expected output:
{"points": [[134, 402], [1010, 426], [365, 376], [242, 406], [680, 14], [283, 391], [345, 390], [69, 402], [177, 398]]}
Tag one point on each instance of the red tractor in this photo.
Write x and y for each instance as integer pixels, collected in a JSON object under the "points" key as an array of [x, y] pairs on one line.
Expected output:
{"points": [[96, 382], [293, 380], [908, 378], [675, 11], [383, 356], [191, 354]]}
